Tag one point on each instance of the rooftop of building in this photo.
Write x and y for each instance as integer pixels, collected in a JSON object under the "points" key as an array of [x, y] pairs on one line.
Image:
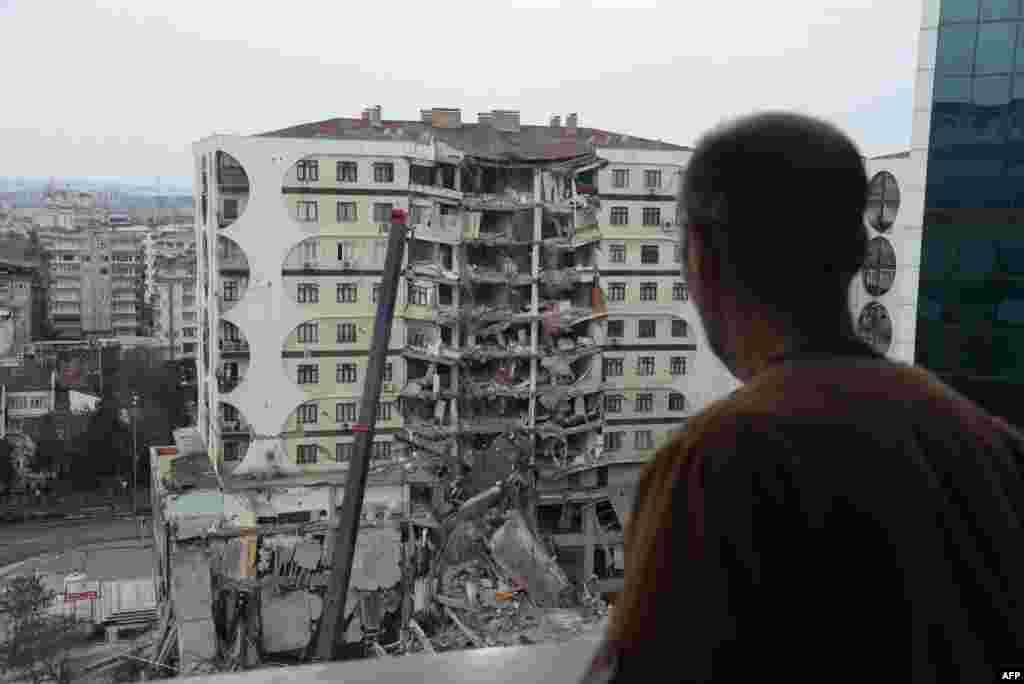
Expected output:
{"points": [[501, 139], [893, 155]]}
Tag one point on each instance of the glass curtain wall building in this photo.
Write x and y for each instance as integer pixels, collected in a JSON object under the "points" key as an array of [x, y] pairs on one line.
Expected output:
{"points": [[970, 114]]}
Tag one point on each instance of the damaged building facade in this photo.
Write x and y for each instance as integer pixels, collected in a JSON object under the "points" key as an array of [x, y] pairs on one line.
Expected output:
{"points": [[542, 349]]}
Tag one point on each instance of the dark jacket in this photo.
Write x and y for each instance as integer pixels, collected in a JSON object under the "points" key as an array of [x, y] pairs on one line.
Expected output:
{"points": [[840, 516]]}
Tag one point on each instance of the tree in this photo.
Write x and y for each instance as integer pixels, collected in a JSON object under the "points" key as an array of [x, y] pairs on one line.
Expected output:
{"points": [[37, 642]]}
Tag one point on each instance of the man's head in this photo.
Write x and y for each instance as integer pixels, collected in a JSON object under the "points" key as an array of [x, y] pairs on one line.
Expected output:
{"points": [[773, 229]]}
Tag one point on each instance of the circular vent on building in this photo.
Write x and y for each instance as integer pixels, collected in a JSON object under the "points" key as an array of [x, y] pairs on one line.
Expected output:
{"points": [[883, 201], [875, 327], [879, 267]]}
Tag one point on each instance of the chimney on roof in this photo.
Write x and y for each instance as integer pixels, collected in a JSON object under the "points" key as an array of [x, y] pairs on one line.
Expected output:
{"points": [[505, 119], [442, 117], [372, 114], [571, 120], [556, 121]]}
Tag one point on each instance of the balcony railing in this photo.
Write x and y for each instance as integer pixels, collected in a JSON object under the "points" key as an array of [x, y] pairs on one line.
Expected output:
{"points": [[233, 425], [234, 345]]}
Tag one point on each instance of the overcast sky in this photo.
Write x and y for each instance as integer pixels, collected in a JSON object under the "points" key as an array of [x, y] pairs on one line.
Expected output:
{"points": [[123, 87]]}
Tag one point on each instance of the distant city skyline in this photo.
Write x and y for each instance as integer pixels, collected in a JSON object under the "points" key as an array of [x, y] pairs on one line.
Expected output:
{"points": [[98, 183]]}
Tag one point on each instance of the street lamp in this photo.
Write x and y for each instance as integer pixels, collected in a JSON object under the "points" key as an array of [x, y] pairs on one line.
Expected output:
{"points": [[135, 456]]}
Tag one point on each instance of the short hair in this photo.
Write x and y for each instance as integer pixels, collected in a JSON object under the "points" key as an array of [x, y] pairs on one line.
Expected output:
{"points": [[779, 199]]}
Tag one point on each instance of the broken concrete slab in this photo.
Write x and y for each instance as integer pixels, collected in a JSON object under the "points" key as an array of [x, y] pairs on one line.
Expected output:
{"points": [[520, 555], [288, 620]]}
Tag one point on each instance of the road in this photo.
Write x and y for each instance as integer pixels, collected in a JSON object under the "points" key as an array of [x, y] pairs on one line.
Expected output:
{"points": [[24, 540]]}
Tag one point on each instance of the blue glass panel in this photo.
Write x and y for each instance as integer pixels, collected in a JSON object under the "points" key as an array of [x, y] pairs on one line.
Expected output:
{"points": [[1012, 256], [952, 89], [956, 49], [959, 10], [976, 258], [991, 90], [935, 260], [929, 309], [999, 9], [1019, 61], [995, 48], [1011, 311]]}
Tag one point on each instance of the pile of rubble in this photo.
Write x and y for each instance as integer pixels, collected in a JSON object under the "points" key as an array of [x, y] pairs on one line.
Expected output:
{"points": [[505, 590]]}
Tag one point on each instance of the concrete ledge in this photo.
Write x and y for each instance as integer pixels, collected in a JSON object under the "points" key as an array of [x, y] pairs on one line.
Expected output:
{"points": [[546, 663]]}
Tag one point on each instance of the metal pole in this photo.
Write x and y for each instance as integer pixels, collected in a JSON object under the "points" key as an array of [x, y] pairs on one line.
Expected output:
{"points": [[135, 456], [347, 533]]}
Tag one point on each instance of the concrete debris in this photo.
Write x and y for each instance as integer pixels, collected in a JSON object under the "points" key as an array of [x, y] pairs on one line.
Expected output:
{"points": [[519, 553], [288, 619]]}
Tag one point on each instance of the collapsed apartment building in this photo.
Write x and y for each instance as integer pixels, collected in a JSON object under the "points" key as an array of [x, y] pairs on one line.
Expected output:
{"points": [[499, 484]]}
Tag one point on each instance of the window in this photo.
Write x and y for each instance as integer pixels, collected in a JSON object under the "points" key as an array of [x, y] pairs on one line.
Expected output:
{"points": [[230, 209], [613, 403], [644, 403], [419, 295], [680, 293], [306, 211], [345, 412], [384, 411], [189, 347], [381, 451], [348, 172], [649, 254], [652, 179], [346, 373], [387, 372], [643, 439], [416, 214], [648, 292], [188, 332], [620, 216], [348, 293], [347, 332], [189, 300], [343, 451], [676, 402], [375, 293], [188, 316], [309, 332], [309, 374], [616, 292], [652, 216], [612, 368], [384, 173], [232, 451], [308, 170], [645, 366], [308, 293], [620, 178], [617, 254], [346, 251], [347, 212], [307, 413], [382, 212], [613, 441], [230, 291], [616, 328], [647, 328], [306, 453], [678, 328], [677, 365], [417, 338]]}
